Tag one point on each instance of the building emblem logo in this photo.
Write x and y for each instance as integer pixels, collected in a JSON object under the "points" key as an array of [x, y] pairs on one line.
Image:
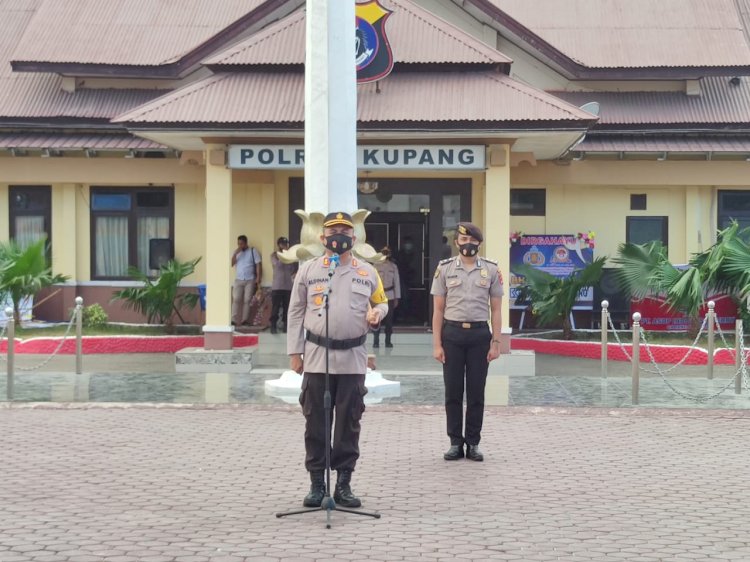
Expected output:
{"points": [[374, 58]]}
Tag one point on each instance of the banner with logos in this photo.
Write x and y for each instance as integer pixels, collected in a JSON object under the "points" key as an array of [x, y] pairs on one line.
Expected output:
{"points": [[369, 157], [557, 254]]}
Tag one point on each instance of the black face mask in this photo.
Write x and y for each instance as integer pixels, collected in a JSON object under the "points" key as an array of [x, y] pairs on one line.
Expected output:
{"points": [[339, 243], [468, 249]]}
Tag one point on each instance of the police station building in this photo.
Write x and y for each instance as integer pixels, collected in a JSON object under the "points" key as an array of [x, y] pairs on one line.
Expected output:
{"points": [[127, 122]]}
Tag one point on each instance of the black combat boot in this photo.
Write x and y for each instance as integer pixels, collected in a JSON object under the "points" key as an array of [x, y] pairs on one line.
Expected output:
{"points": [[473, 453], [343, 495], [376, 339], [317, 489], [388, 340]]}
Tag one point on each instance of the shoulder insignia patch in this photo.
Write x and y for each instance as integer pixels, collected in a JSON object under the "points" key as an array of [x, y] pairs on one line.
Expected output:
{"points": [[446, 260], [437, 273], [493, 262]]}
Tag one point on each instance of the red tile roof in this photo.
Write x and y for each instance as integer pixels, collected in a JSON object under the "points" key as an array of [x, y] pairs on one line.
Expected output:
{"points": [[128, 32], [720, 101], [272, 97], [416, 36], [636, 33]]}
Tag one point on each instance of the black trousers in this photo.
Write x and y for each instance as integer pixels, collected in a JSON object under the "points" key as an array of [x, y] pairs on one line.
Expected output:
{"points": [[279, 301], [347, 407], [465, 361], [387, 322]]}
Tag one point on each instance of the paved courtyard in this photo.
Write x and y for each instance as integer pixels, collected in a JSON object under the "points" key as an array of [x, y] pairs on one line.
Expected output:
{"points": [[184, 484]]}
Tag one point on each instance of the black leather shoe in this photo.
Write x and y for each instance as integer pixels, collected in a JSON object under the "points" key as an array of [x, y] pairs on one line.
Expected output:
{"points": [[454, 453], [388, 344], [343, 494], [317, 490], [473, 453]]}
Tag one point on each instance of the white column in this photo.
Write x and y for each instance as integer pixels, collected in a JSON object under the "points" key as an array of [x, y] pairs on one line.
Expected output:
{"points": [[330, 107]]}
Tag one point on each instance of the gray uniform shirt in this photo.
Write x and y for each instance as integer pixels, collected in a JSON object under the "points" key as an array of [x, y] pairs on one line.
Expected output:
{"points": [[282, 274], [467, 291], [389, 276], [353, 287]]}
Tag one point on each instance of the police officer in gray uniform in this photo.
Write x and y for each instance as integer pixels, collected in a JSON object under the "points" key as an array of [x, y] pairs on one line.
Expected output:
{"points": [[357, 303], [467, 290], [388, 272]]}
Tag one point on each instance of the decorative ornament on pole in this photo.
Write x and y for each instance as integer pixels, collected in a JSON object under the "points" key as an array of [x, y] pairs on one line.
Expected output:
{"points": [[374, 57]]}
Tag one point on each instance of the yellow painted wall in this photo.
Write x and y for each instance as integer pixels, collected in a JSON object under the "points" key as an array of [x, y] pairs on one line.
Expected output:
{"points": [[580, 196], [4, 213], [190, 227]]}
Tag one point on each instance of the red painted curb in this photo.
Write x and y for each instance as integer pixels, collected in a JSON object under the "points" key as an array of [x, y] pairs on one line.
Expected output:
{"points": [[119, 344], [669, 354]]}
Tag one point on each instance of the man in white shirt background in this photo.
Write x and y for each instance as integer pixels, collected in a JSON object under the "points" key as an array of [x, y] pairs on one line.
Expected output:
{"points": [[246, 260]]}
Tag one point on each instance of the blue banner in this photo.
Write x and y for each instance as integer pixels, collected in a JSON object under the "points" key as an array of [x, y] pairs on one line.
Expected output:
{"points": [[557, 254]]}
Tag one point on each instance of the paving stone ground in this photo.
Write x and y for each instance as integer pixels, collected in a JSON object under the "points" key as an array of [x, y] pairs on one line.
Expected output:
{"points": [[170, 484]]}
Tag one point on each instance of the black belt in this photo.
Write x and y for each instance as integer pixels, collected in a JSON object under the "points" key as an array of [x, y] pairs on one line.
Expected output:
{"points": [[465, 325], [335, 344], [389, 288]]}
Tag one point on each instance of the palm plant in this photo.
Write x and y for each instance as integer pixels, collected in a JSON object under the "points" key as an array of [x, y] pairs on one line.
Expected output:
{"points": [[159, 299], [552, 298], [724, 267], [24, 272]]}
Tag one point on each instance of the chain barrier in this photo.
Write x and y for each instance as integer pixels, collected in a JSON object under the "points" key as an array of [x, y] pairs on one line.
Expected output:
{"points": [[742, 371], [645, 370], [692, 397], [55, 352]]}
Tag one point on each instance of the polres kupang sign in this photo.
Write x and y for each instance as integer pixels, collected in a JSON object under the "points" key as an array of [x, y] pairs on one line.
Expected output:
{"points": [[370, 157]]}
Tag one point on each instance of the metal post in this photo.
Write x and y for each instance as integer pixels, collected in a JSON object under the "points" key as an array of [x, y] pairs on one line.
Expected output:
{"points": [[738, 335], [711, 318], [636, 355], [10, 330], [605, 325], [79, 335]]}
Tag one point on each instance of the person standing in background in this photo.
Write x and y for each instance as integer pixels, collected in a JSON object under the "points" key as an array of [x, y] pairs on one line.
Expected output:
{"points": [[246, 260], [281, 287], [388, 272]]}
